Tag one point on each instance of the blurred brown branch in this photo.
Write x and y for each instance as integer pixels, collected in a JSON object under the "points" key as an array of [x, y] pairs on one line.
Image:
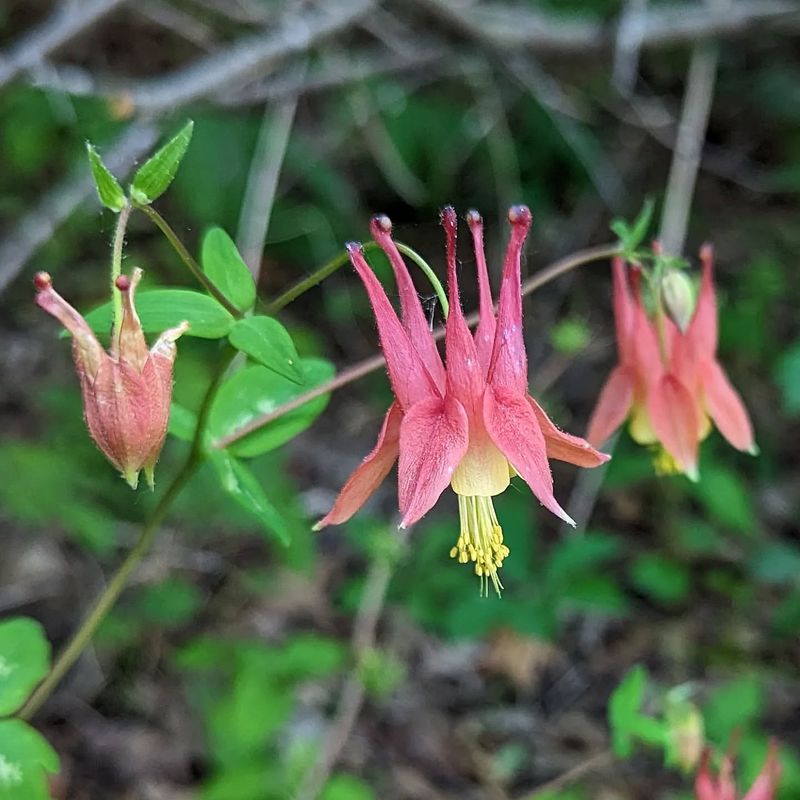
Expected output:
{"points": [[523, 27], [227, 74], [68, 22]]}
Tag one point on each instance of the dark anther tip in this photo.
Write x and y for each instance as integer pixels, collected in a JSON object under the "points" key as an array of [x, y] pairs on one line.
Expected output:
{"points": [[473, 217], [42, 281], [519, 215], [382, 222], [123, 283]]}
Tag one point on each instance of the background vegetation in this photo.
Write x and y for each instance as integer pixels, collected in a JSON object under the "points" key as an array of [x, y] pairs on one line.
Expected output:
{"points": [[351, 661]]}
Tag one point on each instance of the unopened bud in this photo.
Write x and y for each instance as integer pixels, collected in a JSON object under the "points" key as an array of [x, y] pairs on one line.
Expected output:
{"points": [[679, 297], [686, 734]]}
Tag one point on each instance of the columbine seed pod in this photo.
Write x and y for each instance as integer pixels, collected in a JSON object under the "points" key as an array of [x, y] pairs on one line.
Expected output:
{"points": [[127, 390]]}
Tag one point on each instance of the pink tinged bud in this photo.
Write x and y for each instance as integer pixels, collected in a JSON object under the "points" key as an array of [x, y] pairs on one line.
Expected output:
{"points": [[127, 391]]}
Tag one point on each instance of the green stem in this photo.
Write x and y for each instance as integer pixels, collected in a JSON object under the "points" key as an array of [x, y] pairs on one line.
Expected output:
{"points": [[119, 580], [327, 269], [116, 261], [188, 260], [429, 274]]}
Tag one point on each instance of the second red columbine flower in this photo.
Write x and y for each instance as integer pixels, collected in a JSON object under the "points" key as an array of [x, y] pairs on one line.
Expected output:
{"points": [[471, 425], [668, 381], [126, 391], [723, 787]]}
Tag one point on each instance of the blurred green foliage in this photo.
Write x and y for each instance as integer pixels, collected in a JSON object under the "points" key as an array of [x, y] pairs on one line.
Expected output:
{"points": [[658, 551]]}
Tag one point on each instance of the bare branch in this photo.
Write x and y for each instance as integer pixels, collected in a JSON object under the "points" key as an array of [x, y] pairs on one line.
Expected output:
{"points": [[295, 34], [68, 22], [522, 27], [351, 698], [262, 182], [689, 144]]}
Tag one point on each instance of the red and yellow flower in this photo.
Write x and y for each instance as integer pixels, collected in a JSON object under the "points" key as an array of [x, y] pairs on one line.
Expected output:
{"points": [[470, 424], [668, 382]]}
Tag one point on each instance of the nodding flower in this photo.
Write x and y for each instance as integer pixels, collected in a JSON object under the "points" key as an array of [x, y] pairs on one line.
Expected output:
{"points": [[722, 785], [127, 390], [470, 424], [668, 382]]}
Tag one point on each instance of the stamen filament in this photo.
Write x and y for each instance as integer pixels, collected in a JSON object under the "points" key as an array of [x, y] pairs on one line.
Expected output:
{"points": [[480, 540]]}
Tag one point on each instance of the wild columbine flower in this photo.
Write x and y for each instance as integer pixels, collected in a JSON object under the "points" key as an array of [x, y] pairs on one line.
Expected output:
{"points": [[668, 381], [472, 424], [126, 391], [723, 787]]}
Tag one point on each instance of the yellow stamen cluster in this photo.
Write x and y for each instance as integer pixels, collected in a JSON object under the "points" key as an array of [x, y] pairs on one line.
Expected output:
{"points": [[664, 464], [480, 540]]}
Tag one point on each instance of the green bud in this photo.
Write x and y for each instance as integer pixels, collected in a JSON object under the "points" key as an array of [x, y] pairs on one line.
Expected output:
{"points": [[679, 297]]}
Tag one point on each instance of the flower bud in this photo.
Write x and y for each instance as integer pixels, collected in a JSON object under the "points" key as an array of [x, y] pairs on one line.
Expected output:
{"points": [[126, 391], [679, 297], [686, 734]]}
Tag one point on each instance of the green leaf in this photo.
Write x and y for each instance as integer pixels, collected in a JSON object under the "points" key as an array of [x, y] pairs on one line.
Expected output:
{"points": [[631, 236], [25, 758], [255, 391], [660, 578], [182, 422], [736, 705], [171, 603], [347, 787], [160, 309], [108, 189], [24, 661], [787, 376], [240, 483], [156, 174], [727, 498], [265, 340], [226, 269], [623, 710]]}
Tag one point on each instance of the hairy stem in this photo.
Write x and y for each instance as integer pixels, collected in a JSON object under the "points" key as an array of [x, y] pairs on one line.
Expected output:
{"points": [[106, 601], [116, 261], [188, 259], [327, 269]]}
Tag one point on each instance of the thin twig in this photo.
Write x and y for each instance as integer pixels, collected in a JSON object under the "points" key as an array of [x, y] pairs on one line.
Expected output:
{"points": [[560, 267], [40, 223], [70, 20], [572, 775], [253, 57], [262, 181], [351, 698], [524, 26], [689, 144]]}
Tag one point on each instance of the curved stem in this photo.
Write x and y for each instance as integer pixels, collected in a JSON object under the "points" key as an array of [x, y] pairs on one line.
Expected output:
{"points": [[327, 269], [429, 274], [544, 276], [106, 601], [116, 261], [188, 259]]}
